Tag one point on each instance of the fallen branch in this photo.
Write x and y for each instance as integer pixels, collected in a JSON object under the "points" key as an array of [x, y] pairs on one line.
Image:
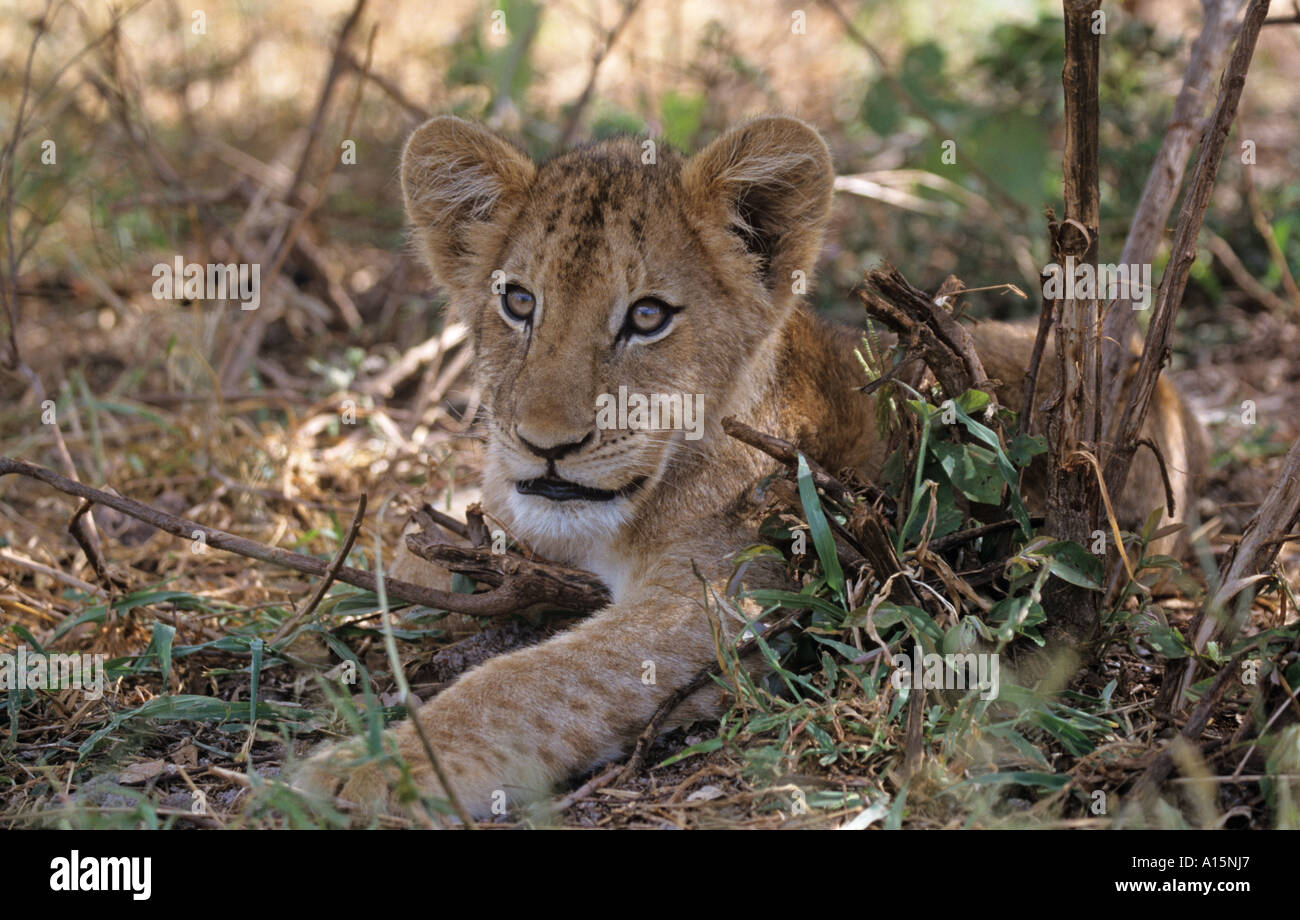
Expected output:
{"points": [[510, 597], [925, 328], [56, 574], [596, 783], [525, 581]]}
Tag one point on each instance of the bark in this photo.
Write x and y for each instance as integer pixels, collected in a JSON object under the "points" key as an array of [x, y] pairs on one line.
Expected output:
{"points": [[1074, 495]]}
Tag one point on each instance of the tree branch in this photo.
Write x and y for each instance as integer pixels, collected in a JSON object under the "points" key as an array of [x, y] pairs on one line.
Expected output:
{"points": [[925, 328], [1165, 180], [1183, 251]]}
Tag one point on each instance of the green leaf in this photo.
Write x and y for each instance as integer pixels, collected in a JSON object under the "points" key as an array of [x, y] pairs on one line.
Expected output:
{"points": [[181, 599], [1024, 447], [791, 600], [973, 401], [1018, 741], [972, 469], [948, 518], [820, 529], [1014, 616], [160, 644], [894, 820], [1152, 522], [185, 707], [1064, 731], [1072, 563], [1165, 641], [830, 669], [1017, 144], [704, 747], [682, 115], [256, 648], [22, 632], [89, 615], [880, 109], [350, 601], [462, 583], [848, 651], [888, 614], [1009, 475], [757, 551], [1019, 778]]}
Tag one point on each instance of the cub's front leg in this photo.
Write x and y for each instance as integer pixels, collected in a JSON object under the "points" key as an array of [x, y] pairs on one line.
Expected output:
{"points": [[511, 728]]}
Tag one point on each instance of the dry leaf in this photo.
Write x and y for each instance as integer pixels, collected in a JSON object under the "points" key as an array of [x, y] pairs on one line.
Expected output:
{"points": [[141, 772], [187, 755], [704, 794]]}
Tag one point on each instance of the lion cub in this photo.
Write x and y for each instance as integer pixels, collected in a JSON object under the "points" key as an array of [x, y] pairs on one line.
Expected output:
{"points": [[621, 269]]}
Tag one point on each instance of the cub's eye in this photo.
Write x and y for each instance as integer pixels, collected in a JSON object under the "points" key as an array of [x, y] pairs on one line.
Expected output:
{"points": [[518, 303], [648, 316]]}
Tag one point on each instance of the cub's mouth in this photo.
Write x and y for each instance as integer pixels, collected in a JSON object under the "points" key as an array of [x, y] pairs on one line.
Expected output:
{"points": [[561, 490]]}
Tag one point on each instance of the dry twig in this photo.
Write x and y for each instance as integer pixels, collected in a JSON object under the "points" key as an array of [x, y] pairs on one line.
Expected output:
{"points": [[521, 586], [925, 328]]}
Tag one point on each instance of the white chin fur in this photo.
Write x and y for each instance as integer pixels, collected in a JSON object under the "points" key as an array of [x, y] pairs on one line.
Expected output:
{"points": [[566, 530]]}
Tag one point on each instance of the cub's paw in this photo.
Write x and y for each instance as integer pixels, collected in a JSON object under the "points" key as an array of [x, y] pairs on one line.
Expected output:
{"points": [[347, 776]]}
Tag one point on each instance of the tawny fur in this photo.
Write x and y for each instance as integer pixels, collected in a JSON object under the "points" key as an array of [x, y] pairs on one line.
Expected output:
{"points": [[722, 235]]}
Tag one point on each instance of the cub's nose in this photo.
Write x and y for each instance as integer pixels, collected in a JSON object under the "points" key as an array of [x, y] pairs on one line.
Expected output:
{"points": [[552, 448]]}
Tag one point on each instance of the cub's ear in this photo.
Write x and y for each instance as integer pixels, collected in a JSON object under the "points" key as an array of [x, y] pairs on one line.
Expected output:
{"points": [[767, 182], [457, 179]]}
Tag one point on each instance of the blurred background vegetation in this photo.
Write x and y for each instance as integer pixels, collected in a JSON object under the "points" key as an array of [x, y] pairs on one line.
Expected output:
{"points": [[986, 71], [203, 131]]}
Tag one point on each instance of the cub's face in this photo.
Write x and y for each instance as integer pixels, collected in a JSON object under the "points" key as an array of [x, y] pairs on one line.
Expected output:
{"points": [[621, 301]]}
